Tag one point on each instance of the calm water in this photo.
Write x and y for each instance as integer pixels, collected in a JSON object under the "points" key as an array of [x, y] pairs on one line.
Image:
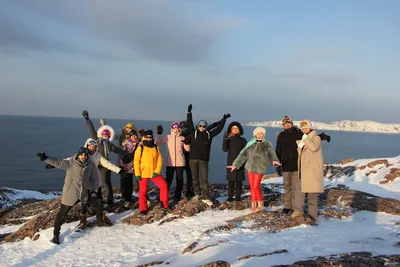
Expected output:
{"points": [[22, 137]]}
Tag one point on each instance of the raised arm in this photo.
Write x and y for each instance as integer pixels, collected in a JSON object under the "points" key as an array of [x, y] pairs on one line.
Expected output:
{"points": [[214, 132], [108, 165], [89, 124], [225, 142], [189, 120], [58, 163]]}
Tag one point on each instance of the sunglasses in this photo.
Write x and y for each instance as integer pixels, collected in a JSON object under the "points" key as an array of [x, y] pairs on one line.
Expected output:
{"points": [[303, 123], [202, 126], [286, 119]]}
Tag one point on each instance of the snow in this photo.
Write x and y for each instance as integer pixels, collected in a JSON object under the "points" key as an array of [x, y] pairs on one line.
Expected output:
{"points": [[346, 125], [129, 245], [11, 197]]}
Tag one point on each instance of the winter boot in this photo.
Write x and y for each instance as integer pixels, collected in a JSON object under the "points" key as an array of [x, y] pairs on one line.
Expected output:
{"points": [[260, 206], [296, 214], [83, 224], [287, 211], [56, 239]]}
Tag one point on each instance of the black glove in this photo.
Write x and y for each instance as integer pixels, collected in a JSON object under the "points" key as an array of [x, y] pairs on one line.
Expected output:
{"points": [[142, 132], [325, 137], [279, 170], [48, 166], [227, 116], [190, 108], [85, 114], [128, 157], [42, 156], [159, 129]]}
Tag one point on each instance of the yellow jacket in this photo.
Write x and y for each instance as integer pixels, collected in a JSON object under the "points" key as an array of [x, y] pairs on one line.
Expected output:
{"points": [[148, 162]]}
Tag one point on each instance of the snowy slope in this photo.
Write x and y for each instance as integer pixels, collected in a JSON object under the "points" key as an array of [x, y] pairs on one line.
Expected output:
{"points": [[351, 126], [129, 245], [11, 197]]}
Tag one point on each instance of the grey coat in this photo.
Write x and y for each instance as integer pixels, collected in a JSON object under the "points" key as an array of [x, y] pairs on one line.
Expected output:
{"points": [[78, 179], [256, 157]]}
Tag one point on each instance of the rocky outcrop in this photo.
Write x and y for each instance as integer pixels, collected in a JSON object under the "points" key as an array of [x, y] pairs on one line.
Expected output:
{"points": [[263, 254], [216, 264], [355, 259], [345, 161], [391, 176], [333, 171]]}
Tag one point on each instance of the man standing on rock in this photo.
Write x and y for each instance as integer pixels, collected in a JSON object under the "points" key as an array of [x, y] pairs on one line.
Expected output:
{"points": [[199, 155]]}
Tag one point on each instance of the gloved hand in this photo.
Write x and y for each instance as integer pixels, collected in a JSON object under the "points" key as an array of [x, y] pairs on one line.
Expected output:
{"points": [[159, 129], [127, 157], [279, 170], [85, 114], [121, 172], [142, 132], [325, 137], [138, 178], [155, 175], [42, 156], [226, 135], [48, 166], [227, 116], [304, 137], [186, 141], [190, 107]]}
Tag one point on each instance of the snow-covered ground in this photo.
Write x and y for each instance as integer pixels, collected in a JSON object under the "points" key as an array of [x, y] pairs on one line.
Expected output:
{"points": [[11, 197], [351, 126], [129, 245]]}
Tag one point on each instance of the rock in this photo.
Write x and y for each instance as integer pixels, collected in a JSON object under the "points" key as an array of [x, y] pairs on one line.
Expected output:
{"points": [[391, 176], [397, 224], [337, 214], [190, 247], [154, 263], [269, 176], [227, 227], [216, 264], [203, 248], [358, 200], [331, 171], [263, 254], [370, 172], [362, 167], [378, 162], [345, 161], [245, 203], [355, 259]]}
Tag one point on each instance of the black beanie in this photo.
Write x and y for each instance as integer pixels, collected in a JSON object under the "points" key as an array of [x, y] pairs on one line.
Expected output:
{"points": [[148, 132]]}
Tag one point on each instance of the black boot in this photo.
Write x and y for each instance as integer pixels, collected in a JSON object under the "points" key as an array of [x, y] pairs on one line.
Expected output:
{"points": [[238, 191], [56, 239], [83, 223], [231, 189]]}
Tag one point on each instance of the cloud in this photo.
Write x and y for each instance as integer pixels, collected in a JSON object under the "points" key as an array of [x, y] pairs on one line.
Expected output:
{"points": [[318, 79], [159, 30]]}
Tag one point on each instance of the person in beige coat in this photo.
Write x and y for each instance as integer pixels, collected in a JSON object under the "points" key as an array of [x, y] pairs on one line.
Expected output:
{"points": [[311, 172]]}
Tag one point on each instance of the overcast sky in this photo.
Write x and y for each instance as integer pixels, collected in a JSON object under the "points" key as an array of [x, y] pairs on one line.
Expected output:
{"points": [[259, 60]]}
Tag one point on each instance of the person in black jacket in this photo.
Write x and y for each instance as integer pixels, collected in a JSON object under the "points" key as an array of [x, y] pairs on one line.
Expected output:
{"points": [[286, 150], [199, 156], [189, 182], [233, 143]]}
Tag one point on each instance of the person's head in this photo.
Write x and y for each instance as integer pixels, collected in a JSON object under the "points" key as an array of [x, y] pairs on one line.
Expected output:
{"points": [[148, 136], [132, 136], [106, 134], [129, 127], [306, 126], [259, 133], [235, 128], [202, 125], [82, 154], [92, 146], [287, 122], [175, 127]]}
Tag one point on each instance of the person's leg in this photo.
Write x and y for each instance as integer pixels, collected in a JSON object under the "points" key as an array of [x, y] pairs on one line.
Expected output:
{"points": [[179, 183], [313, 205], [189, 180], [60, 218], [297, 198], [194, 168], [170, 171], [143, 184], [238, 190], [231, 189], [123, 186], [109, 189], [203, 169], [129, 186], [257, 191], [287, 191], [252, 194], [162, 185]]}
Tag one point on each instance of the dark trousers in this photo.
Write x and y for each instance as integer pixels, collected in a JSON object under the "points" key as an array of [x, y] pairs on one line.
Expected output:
{"points": [[108, 186], [199, 169], [179, 180], [189, 180], [60, 219], [127, 186], [234, 187]]}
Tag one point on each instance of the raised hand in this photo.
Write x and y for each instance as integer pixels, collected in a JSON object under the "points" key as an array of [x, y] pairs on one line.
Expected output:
{"points": [[42, 156], [85, 114], [227, 116], [160, 129], [190, 107]]}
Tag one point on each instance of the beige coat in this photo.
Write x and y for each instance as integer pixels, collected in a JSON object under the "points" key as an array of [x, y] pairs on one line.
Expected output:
{"points": [[311, 164]]}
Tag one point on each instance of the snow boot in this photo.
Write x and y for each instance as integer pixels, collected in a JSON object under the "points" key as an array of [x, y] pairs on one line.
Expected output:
{"points": [[296, 214], [56, 239]]}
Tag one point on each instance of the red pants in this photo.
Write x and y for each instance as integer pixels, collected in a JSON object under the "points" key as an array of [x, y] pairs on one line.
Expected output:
{"points": [[160, 183], [254, 182]]}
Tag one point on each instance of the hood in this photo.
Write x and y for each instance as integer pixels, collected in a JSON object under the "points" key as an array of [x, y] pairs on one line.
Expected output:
{"points": [[88, 140], [75, 157], [108, 127], [235, 123]]}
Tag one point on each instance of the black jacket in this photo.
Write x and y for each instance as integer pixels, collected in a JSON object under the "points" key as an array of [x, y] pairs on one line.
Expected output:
{"points": [[286, 148], [233, 145], [200, 144]]}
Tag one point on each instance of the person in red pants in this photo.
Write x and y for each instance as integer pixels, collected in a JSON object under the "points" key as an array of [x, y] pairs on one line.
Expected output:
{"points": [[255, 158], [148, 165]]}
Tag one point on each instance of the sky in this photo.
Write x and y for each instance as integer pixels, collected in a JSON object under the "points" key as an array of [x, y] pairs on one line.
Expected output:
{"points": [[258, 60]]}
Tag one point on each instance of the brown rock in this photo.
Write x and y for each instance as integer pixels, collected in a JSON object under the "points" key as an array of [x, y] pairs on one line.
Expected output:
{"points": [[377, 162], [370, 172], [216, 264], [345, 161], [263, 254], [337, 214], [190, 247], [358, 200], [221, 228], [154, 263], [245, 203], [391, 176], [362, 167], [332, 171], [203, 248]]}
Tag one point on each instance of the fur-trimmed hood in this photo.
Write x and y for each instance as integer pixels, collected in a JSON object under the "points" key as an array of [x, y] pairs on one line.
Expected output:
{"points": [[235, 123], [106, 127]]}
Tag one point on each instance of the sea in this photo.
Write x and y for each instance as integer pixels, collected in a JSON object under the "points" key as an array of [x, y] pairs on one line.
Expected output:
{"points": [[22, 137]]}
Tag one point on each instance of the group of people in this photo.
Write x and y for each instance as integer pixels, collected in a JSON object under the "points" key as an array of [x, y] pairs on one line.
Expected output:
{"points": [[188, 149]]}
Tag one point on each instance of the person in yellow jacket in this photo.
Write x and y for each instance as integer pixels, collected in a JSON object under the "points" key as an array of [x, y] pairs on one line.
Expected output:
{"points": [[148, 165]]}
